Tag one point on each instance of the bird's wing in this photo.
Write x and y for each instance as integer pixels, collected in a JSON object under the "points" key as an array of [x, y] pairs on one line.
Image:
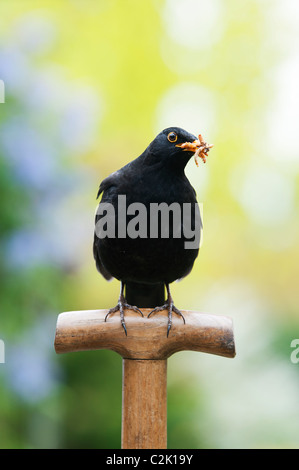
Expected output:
{"points": [[100, 267], [105, 185], [111, 180]]}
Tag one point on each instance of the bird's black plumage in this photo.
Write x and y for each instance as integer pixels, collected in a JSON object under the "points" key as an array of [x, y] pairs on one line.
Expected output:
{"points": [[145, 265]]}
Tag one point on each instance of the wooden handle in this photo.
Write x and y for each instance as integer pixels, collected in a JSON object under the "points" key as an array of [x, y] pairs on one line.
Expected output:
{"points": [[144, 351], [144, 404], [86, 330]]}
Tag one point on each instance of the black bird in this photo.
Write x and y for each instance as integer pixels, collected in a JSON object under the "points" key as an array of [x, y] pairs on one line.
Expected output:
{"points": [[150, 253]]}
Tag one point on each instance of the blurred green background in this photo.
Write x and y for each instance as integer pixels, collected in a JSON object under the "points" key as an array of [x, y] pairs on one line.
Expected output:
{"points": [[88, 84]]}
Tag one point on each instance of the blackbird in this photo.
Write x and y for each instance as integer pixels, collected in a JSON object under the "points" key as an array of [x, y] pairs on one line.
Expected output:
{"points": [[147, 215]]}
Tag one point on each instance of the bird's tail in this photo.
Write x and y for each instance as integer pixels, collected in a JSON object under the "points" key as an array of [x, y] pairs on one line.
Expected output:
{"points": [[145, 295]]}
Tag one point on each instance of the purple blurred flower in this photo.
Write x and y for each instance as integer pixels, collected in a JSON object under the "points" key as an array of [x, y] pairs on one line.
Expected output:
{"points": [[15, 70], [33, 160], [79, 120], [26, 248], [62, 230], [53, 121], [29, 369]]}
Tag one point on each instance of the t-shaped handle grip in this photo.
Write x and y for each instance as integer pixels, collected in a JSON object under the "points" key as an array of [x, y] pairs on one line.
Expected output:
{"points": [[87, 330], [144, 351]]}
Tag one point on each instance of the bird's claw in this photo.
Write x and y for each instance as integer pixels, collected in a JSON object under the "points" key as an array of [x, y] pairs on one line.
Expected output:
{"points": [[124, 326], [133, 307], [121, 306], [171, 308]]}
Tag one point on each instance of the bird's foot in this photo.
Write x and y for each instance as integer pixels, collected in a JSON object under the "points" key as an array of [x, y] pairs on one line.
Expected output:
{"points": [[121, 307], [169, 305]]}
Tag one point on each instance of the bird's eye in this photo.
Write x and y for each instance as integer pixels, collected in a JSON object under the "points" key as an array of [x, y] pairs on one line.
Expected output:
{"points": [[172, 137]]}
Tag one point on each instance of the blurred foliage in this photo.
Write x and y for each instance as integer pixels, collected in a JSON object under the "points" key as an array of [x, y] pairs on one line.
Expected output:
{"points": [[88, 84]]}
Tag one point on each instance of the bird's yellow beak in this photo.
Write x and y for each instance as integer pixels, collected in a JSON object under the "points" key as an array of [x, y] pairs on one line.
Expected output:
{"points": [[199, 147]]}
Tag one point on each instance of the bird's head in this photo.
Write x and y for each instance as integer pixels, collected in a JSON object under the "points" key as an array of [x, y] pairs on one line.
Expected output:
{"points": [[175, 146]]}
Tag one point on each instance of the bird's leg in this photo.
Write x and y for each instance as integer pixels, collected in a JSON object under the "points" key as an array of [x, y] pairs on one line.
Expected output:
{"points": [[170, 307], [121, 306]]}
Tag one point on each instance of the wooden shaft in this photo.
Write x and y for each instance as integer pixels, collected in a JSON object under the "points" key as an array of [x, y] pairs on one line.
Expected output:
{"points": [[144, 404]]}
